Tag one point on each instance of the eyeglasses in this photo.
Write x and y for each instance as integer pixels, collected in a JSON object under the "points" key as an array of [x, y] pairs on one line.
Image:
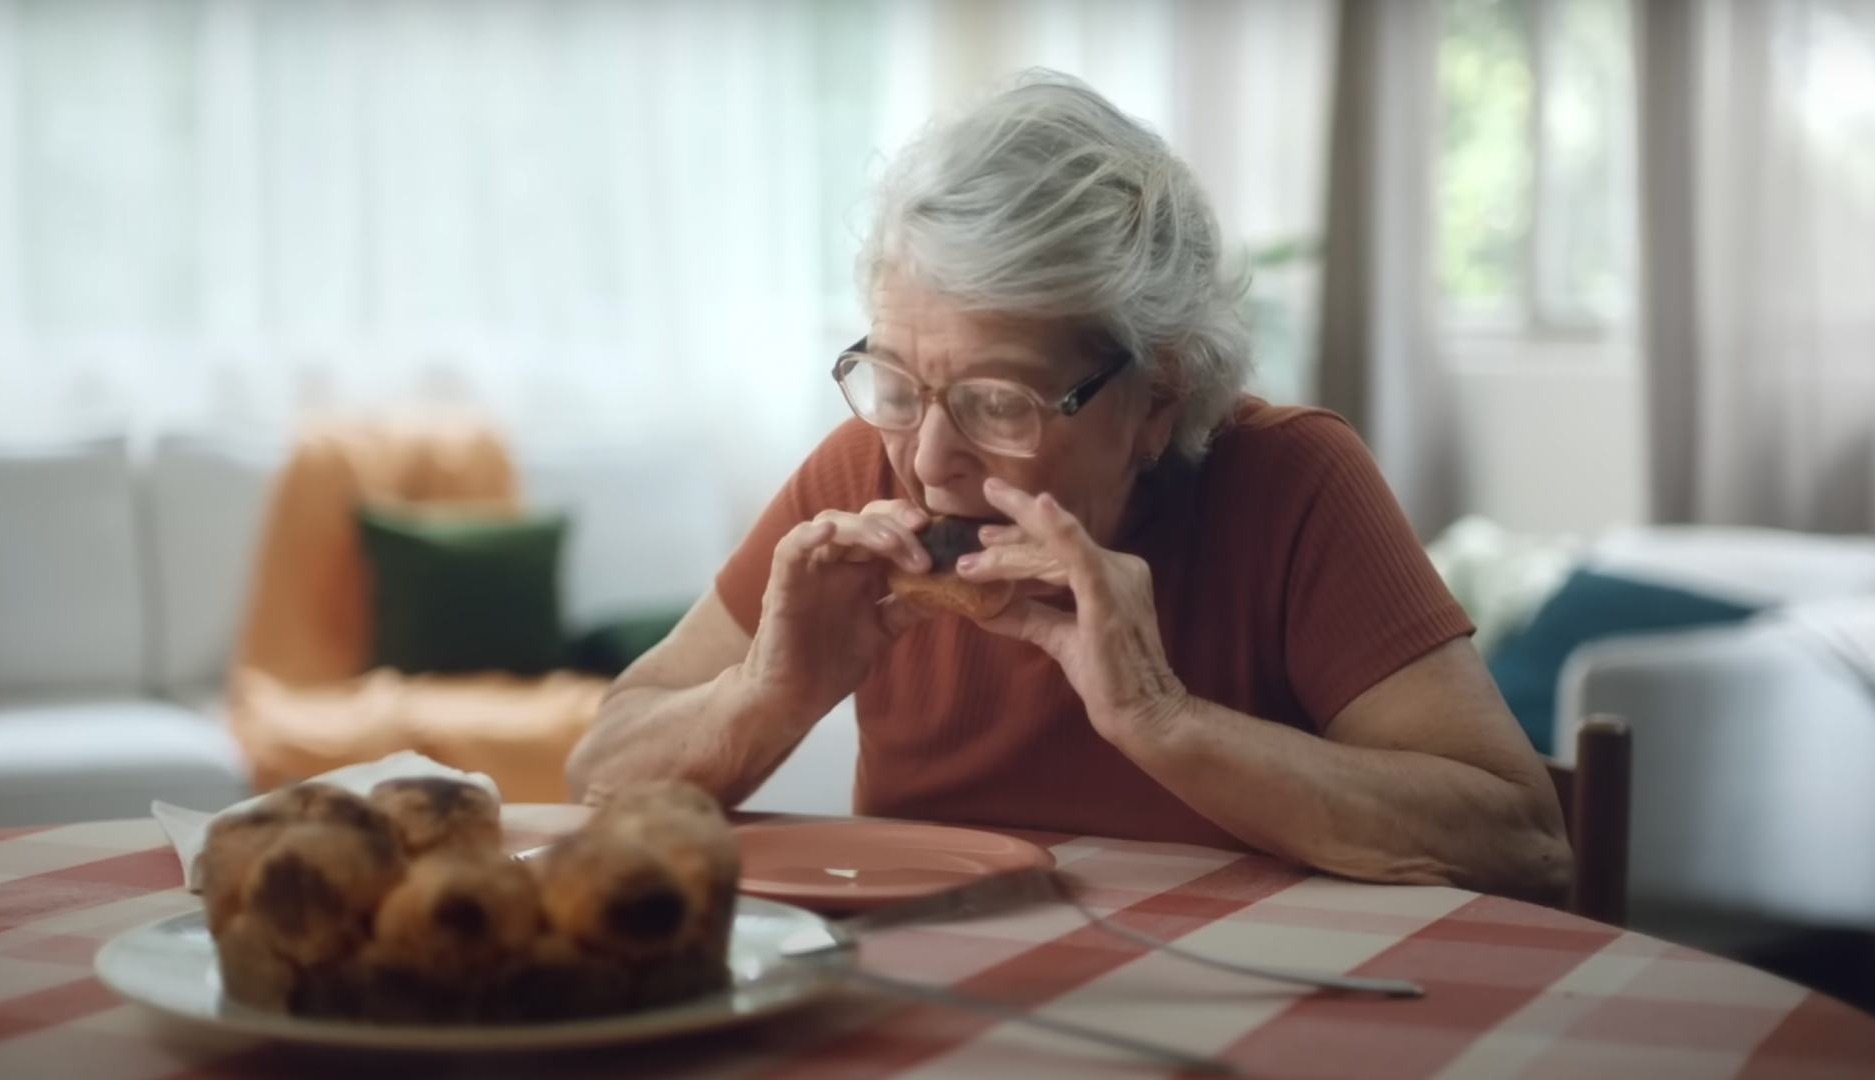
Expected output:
{"points": [[998, 415]]}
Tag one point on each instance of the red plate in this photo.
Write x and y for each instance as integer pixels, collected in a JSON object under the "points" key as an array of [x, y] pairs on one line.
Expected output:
{"points": [[850, 865]]}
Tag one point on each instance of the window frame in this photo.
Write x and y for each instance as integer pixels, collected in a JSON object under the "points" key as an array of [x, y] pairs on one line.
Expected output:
{"points": [[1527, 317]]}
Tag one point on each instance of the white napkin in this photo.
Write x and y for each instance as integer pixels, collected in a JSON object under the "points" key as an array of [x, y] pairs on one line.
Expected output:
{"points": [[187, 829]]}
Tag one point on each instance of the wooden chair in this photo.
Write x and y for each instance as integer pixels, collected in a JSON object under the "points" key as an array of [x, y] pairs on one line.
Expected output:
{"points": [[1594, 793]]}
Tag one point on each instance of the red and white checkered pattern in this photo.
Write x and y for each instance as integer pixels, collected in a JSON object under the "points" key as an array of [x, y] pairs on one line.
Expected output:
{"points": [[1513, 989]]}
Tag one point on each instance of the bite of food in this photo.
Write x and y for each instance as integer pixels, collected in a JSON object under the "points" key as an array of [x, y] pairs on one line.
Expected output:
{"points": [[947, 539]]}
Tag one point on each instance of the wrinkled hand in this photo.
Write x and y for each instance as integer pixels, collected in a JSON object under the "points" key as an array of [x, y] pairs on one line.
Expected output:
{"points": [[827, 614], [1108, 646]]}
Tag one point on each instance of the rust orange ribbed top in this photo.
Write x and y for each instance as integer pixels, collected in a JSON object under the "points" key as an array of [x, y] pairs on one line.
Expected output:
{"points": [[1287, 582]]}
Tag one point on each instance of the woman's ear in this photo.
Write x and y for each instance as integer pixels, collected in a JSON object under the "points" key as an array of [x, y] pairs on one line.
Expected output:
{"points": [[1163, 409], [1155, 435]]}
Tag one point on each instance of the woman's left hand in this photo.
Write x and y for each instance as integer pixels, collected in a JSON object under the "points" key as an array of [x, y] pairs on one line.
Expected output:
{"points": [[1108, 646]]}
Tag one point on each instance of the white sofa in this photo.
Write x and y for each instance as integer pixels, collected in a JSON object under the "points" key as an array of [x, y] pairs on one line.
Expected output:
{"points": [[123, 570], [1754, 744]]}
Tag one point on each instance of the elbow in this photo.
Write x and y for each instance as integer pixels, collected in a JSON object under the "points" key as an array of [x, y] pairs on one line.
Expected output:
{"points": [[1547, 872], [1541, 865], [1534, 865]]}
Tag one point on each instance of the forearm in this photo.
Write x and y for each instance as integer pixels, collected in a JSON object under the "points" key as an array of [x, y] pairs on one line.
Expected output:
{"points": [[725, 735], [1373, 814]]}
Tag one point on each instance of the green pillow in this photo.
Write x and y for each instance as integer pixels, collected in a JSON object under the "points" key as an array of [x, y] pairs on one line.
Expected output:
{"points": [[462, 595], [610, 648], [1589, 606]]}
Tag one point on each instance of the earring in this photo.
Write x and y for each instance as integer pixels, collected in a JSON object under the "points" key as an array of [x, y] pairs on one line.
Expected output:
{"points": [[1148, 461]]}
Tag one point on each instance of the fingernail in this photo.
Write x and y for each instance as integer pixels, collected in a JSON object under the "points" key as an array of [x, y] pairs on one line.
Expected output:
{"points": [[993, 482], [966, 563]]}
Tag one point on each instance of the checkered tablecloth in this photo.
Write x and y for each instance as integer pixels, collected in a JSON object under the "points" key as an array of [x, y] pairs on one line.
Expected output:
{"points": [[1512, 989]]}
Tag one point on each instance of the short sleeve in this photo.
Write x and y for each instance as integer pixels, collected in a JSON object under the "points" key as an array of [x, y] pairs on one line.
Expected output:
{"points": [[1362, 599], [845, 472]]}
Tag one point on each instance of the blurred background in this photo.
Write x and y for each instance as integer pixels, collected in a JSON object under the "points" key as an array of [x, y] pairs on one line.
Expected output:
{"points": [[583, 214], [1594, 278]]}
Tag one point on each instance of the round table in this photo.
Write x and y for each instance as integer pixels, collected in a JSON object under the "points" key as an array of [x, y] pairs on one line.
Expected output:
{"points": [[1512, 988]]}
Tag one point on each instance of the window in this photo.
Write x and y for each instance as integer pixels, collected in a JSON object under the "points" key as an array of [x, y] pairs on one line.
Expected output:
{"points": [[1536, 166]]}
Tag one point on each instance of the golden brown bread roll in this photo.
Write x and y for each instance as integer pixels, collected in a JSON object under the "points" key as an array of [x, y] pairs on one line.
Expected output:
{"points": [[559, 978], [946, 539], [432, 813], [311, 895], [251, 971], [327, 916], [613, 895], [696, 845], [313, 802], [457, 916], [232, 845], [233, 842]]}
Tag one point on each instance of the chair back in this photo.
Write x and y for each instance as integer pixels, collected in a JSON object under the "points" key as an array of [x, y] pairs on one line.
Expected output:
{"points": [[1595, 794]]}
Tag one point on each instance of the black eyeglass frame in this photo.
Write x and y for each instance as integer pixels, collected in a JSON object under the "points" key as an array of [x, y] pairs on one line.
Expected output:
{"points": [[1069, 403]]}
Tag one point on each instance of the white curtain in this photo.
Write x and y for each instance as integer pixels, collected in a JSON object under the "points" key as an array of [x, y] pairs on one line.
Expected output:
{"points": [[630, 219], [1758, 162], [1380, 364]]}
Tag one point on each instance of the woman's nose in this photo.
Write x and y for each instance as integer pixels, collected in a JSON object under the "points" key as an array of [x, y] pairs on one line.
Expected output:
{"points": [[941, 448]]}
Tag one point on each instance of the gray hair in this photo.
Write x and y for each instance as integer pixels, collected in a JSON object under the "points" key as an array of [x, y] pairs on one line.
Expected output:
{"points": [[1046, 200]]}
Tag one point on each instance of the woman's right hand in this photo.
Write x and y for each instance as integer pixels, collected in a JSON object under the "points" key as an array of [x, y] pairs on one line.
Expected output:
{"points": [[827, 616]]}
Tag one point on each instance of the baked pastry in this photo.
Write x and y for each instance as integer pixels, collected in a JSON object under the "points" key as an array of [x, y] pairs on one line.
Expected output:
{"points": [[235, 841], [232, 845], [612, 895], [311, 895], [316, 910], [559, 978], [443, 940], [683, 828], [456, 916], [251, 970], [947, 539], [434, 813], [313, 801]]}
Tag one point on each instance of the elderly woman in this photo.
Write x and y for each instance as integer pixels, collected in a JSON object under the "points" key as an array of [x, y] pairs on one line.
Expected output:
{"points": [[1226, 634]]}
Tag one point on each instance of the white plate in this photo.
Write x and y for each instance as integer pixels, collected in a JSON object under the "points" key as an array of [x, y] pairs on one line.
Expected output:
{"points": [[170, 966]]}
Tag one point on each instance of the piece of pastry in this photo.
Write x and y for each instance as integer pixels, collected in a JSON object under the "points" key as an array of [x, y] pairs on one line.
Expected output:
{"points": [[232, 844], [612, 895], [251, 971], [694, 841], [316, 909], [947, 539], [312, 894], [433, 813], [457, 916], [328, 804], [234, 841], [557, 979]]}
